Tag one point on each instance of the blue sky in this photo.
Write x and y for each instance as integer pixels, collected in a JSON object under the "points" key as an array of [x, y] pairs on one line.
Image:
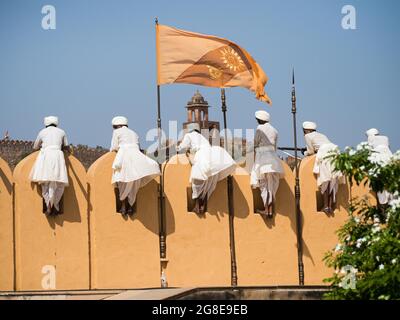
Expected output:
{"points": [[100, 62]]}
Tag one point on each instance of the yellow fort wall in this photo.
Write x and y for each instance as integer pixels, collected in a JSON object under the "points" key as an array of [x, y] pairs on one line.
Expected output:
{"points": [[91, 246], [266, 249], [197, 246], [319, 229], [43, 243], [124, 250], [6, 228]]}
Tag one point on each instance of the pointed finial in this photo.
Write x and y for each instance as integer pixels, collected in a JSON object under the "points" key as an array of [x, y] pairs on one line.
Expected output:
{"points": [[293, 77]]}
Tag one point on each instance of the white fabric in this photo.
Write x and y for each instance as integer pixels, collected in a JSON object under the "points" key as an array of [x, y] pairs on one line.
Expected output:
{"points": [[269, 185], [50, 162], [129, 190], [119, 121], [314, 141], [52, 193], [381, 150], [204, 188], [262, 115], [209, 162], [382, 155], [50, 120], [130, 163], [323, 167], [266, 159], [372, 132], [308, 125]]}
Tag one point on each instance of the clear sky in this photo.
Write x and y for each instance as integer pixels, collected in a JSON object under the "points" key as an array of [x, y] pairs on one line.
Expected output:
{"points": [[100, 62]]}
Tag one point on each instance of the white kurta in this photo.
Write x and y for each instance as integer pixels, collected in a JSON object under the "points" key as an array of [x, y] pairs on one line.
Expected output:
{"points": [[267, 169], [210, 165], [326, 176], [381, 150], [50, 163], [131, 168], [381, 154], [49, 169]]}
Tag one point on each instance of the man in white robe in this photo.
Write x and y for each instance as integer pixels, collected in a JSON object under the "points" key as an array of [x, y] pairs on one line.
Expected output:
{"points": [[267, 169], [49, 169], [210, 165], [328, 179], [132, 169], [381, 154]]}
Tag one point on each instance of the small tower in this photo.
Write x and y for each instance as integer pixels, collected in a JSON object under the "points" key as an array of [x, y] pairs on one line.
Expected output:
{"points": [[197, 112]]}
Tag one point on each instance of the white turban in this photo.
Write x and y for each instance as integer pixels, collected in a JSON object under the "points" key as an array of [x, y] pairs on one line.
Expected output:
{"points": [[372, 132], [308, 125], [193, 126], [119, 121], [262, 115], [50, 120]]}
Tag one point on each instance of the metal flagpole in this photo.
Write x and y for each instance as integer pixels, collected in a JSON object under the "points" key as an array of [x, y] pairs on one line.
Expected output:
{"points": [[163, 245], [297, 191], [230, 200]]}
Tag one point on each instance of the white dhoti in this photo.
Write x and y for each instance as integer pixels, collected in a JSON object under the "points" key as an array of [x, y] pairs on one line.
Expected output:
{"points": [[266, 173], [210, 165], [52, 193], [132, 170], [50, 172], [327, 178]]}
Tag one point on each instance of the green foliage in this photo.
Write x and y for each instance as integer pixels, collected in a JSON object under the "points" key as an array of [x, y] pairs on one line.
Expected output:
{"points": [[369, 242]]}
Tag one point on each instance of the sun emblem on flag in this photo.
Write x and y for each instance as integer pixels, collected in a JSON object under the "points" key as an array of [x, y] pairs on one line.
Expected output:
{"points": [[232, 60], [215, 73]]}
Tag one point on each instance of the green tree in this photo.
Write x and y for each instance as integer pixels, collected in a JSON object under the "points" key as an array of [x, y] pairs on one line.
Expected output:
{"points": [[369, 243]]}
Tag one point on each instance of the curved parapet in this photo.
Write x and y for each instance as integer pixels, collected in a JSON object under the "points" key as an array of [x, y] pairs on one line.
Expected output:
{"points": [[6, 228], [51, 252], [197, 245], [319, 229], [266, 248], [124, 250]]}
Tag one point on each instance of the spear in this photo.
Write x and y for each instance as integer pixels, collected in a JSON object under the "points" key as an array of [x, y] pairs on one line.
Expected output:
{"points": [[297, 190]]}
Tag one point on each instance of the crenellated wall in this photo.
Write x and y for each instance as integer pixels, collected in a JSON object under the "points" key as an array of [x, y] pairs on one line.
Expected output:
{"points": [[43, 242], [266, 249], [197, 246], [124, 250], [91, 246]]}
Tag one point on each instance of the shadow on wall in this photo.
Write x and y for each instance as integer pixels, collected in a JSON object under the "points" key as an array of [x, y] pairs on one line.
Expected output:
{"points": [[265, 247], [197, 245]]}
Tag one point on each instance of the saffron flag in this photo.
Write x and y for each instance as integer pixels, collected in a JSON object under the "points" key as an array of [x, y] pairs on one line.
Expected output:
{"points": [[194, 58]]}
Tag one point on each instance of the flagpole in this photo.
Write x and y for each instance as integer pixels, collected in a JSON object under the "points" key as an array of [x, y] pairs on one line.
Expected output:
{"points": [[161, 212], [297, 190], [230, 199]]}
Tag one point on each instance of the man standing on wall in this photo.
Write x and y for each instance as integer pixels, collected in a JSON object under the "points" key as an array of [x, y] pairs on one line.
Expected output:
{"points": [[49, 169]]}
